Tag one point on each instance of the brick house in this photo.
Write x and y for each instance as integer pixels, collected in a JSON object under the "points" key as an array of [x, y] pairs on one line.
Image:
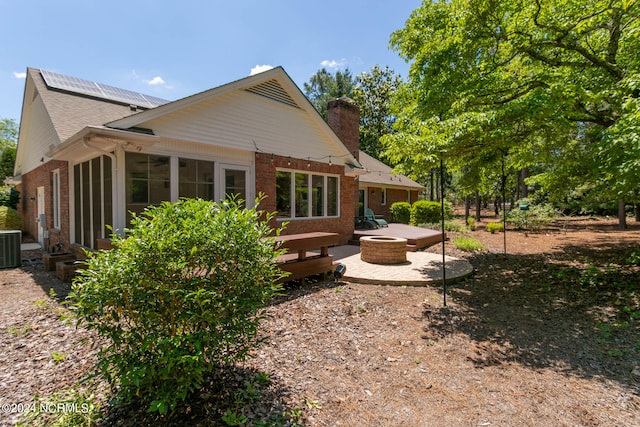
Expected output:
{"points": [[88, 154], [380, 187]]}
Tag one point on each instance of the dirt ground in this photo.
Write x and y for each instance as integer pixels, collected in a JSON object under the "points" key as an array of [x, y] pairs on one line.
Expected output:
{"points": [[547, 336]]}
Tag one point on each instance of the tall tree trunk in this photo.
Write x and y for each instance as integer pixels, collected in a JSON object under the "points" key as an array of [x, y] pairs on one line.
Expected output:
{"points": [[431, 189], [518, 184], [525, 189], [467, 208], [622, 216], [478, 205], [636, 209]]}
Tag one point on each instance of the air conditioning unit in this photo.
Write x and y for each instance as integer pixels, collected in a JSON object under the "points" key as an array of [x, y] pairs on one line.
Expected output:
{"points": [[10, 248]]}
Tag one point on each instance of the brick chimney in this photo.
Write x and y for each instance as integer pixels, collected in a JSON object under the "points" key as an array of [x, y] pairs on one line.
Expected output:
{"points": [[343, 116]]}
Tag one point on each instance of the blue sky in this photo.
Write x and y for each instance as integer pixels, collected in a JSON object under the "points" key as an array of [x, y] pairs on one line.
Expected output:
{"points": [[172, 49]]}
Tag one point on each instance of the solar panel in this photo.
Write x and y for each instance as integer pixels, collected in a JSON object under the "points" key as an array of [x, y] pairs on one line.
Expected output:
{"points": [[99, 90]]}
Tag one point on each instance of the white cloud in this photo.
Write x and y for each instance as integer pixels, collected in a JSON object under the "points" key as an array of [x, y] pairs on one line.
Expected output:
{"points": [[156, 81], [333, 63], [19, 75], [260, 69]]}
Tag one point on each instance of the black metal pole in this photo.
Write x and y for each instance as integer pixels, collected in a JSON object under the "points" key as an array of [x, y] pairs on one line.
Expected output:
{"points": [[444, 268], [504, 207]]}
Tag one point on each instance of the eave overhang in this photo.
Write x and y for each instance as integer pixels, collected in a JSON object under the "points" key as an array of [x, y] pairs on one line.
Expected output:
{"points": [[95, 140]]}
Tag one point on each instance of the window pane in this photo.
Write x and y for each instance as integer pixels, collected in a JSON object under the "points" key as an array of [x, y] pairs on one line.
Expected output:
{"points": [[159, 168], [235, 184], [332, 196], [147, 181], [136, 166], [205, 191], [205, 171], [317, 186], [138, 191], [283, 194], [195, 179], [159, 191], [188, 190], [302, 195], [187, 170], [56, 199]]}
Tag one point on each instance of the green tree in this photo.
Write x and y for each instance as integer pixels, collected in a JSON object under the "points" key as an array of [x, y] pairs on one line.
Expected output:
{"points": [[8, 138], [372, 94], [324, 87], [528, 80]]}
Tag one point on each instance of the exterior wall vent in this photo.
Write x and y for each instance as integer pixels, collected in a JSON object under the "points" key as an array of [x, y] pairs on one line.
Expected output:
{"points": [[273, 90], [10, 248]]}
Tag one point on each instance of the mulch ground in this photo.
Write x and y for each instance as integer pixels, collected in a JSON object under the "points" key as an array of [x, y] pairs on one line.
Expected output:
{"points": [[548, 335]]}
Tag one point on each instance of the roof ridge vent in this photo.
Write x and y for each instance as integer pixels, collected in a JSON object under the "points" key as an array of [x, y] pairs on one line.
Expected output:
{"points": [[273, 90]]}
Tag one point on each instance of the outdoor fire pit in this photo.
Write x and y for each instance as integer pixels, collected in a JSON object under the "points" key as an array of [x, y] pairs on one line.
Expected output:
{"points": [[383, 249]]}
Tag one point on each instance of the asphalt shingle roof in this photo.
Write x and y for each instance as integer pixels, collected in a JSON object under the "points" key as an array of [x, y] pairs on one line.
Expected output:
{"points": [[382, 175]]}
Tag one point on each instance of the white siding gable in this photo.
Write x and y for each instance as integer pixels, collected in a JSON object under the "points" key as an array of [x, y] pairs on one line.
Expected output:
{"points": [[246, 121]]}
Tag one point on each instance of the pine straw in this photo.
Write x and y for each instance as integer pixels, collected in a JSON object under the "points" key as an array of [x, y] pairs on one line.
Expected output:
{"points": [[517, 344]]}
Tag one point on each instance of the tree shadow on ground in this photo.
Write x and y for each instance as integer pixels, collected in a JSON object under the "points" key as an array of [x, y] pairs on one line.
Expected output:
{"points": [[574, 310], [47, 280], [231, 396]]}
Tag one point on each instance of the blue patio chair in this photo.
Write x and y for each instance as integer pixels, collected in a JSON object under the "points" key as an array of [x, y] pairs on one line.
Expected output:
{"points": [[378, 219]]}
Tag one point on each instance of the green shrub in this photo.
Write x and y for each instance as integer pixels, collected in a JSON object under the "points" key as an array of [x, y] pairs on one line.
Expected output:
{"points": [[9, 197], [427, 211], [180, 296], [533, 218], [471, 223], [467, 244], [401, 212], [9, 219], [492, 227]]}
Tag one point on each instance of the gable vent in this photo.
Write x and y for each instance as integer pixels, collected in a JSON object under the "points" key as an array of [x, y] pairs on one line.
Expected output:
{"points": [[273, 90]]}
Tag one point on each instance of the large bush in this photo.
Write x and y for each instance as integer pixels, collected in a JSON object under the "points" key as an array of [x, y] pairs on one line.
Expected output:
{"points": [[401, 212], [534, 217], [9, 197], [427, 211], [181, 295], [9, 219]]}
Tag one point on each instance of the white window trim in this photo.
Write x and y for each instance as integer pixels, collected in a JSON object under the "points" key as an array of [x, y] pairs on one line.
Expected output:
{"points": [[384, 196], [325, 208], [56, 198], [219, 188]]}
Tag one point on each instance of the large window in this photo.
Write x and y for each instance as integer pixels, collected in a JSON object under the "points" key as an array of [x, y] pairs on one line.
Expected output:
{"points": [[196, 179], [147, 181], [304, 195]]}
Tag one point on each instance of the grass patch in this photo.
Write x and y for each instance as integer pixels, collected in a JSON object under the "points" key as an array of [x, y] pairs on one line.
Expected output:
{"points": [[449, 225], [467, 244]]}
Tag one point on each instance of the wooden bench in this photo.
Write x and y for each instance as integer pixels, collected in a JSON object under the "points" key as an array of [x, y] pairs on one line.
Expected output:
{"points": [[307, 254]]}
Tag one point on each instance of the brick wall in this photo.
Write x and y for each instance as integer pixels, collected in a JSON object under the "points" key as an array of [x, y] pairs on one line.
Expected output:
{"points": [[43, 177], [343, 117], [266, 165], [393, 195]]}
